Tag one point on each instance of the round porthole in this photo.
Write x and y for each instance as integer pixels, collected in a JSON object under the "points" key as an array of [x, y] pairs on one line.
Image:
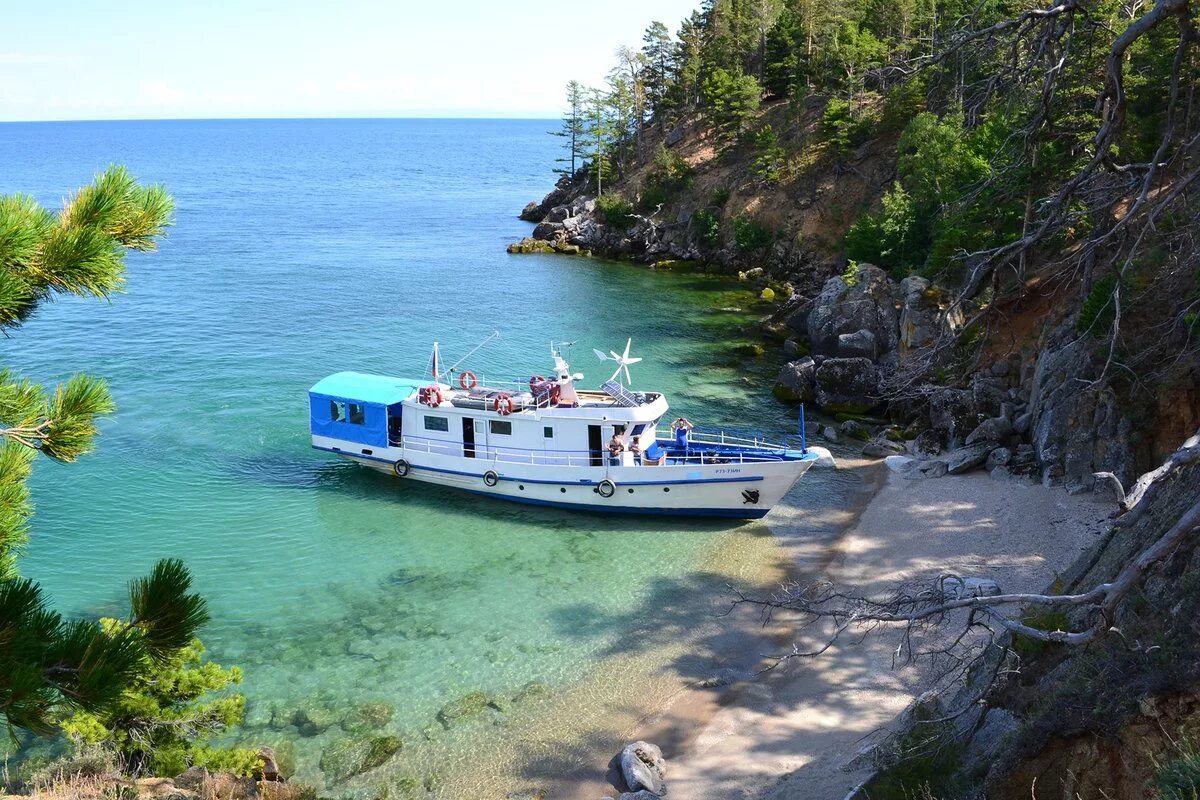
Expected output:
{"points": [[521, 486], [563, 490], [630, 491], [666, 488]]}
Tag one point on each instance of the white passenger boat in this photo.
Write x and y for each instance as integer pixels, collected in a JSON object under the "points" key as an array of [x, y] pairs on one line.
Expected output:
{"points": [[544, 441]]}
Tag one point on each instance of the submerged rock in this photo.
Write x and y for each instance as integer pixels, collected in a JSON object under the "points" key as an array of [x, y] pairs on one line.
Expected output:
{"points": [[465, 707], [368, 717], [349, 757]]}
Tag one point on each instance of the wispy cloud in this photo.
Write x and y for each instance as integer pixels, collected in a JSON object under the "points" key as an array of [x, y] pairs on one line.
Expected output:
{"points": [[29, 59]]}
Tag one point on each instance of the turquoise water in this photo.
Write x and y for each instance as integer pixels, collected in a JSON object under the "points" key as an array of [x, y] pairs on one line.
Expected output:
{"points": [[305, 247]]}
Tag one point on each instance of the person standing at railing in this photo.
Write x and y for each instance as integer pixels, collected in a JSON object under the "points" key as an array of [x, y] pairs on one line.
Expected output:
{"points": [[682, 427], [615, 447]]}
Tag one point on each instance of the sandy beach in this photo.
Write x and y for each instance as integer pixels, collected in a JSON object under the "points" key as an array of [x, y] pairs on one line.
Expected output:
{"points": [[794, 732]]}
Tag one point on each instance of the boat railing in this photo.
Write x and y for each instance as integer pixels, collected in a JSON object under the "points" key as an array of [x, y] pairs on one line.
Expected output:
{"points": [[737, 438], [513, 386], [584, 458]]}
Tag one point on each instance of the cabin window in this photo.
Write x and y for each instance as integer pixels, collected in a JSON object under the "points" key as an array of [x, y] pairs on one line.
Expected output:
{"points": [[437, 424], [337, 411], [355, 414], [500, 426], [547, 432]]}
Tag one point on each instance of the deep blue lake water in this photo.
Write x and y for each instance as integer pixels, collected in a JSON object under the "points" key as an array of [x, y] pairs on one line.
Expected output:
{"points": [[304, 247]]}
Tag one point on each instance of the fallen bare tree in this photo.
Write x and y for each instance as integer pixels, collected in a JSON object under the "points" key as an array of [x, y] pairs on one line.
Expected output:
{"points": [[948, 609], [1123, 206]]}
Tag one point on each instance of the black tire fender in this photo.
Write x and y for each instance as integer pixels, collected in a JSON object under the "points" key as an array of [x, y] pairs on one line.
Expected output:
{"points": [[606, 488], [401, 468], [490, 478]]}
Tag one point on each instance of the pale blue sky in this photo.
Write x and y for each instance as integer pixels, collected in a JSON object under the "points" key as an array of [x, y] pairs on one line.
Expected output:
{"points": [[140, 59]]}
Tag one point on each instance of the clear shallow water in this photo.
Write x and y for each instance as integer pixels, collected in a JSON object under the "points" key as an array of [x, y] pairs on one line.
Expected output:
{"points": [[305, 247]]}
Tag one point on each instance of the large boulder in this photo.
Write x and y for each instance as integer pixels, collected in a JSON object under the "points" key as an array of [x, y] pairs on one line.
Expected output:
{"points": [[860, 344], [865, 299], [954, 412], [643, 768], [968, 457], [547, 231], [849, 385], [797, 381], [558, 214], [995, 429], [531, 211]]}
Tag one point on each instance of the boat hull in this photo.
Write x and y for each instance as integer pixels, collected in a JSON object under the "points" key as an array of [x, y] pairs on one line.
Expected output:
{"points": [[730, 490]]}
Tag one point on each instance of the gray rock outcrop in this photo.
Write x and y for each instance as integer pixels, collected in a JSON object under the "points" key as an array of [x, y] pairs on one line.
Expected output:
{"points": [[796, 382], [847, 384], [867, 303]]}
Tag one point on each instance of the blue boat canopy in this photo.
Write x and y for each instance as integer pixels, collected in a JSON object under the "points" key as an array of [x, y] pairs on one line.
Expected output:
{"points": [[378, 389]]}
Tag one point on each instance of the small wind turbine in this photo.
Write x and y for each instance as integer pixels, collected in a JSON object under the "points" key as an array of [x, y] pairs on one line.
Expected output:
{"points": [[623, 361]]}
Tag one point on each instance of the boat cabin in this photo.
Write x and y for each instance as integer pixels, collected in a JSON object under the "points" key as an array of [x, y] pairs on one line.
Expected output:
{"points": [[359, 408]]}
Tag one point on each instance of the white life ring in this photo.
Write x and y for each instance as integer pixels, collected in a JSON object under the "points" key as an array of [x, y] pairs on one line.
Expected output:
{"points": [[606, 488]]}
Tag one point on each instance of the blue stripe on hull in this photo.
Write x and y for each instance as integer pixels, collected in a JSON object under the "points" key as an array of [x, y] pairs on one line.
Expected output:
{"points": [[728, 513], [581, 482]]}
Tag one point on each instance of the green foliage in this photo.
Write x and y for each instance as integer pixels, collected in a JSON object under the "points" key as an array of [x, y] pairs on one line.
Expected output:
{"points": [[50, 664], [81, 249], [844, 126], [165, 718], [706, 225], [749, 235], [1179, 778], [770, 159], [889, 237], [573, 130], [1042, 620], [78, 251], [670, 174], [1097, 312], [730, 100], [615, 210], [928, 757]]}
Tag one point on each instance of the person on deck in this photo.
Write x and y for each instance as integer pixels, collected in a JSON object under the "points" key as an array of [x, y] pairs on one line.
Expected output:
{"points": [[615, 447], [681, 427]]}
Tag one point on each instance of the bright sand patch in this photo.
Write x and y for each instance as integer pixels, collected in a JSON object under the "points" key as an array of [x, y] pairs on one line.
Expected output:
{"points": [[793, 732]]}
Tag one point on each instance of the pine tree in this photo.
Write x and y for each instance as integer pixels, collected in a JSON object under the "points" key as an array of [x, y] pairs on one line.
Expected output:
{"points": [[572, 129], [48, 663], [598, 132], [659, 53]]}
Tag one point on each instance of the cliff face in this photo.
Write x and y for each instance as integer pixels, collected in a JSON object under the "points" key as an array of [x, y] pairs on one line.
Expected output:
{"points": [[1046, 391]]}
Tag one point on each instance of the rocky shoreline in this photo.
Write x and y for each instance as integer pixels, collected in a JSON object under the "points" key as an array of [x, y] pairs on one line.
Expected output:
{"points": [[855, 340]]}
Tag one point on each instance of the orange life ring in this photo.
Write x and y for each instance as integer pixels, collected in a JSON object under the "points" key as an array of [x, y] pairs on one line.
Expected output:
{"points": [[503, 404], [467, 380], [430, 395]]}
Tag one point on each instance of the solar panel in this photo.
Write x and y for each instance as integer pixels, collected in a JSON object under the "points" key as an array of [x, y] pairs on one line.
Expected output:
{"points": [[623, 396]]}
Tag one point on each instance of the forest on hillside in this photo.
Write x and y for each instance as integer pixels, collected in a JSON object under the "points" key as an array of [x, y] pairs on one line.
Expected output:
{"points": [[1062, 136]]}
